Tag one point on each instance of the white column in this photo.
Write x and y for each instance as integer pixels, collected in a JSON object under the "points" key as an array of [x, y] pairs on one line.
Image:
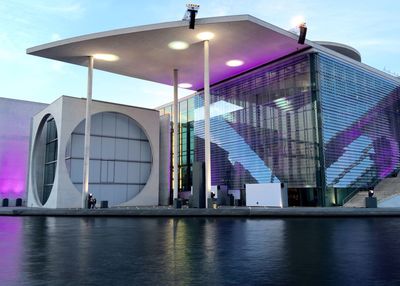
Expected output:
{"points": [[207, 146], [176, 136], [86, 152]]}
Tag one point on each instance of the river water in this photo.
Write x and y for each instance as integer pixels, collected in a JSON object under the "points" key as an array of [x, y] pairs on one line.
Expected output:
{"points": [[199, 251]]}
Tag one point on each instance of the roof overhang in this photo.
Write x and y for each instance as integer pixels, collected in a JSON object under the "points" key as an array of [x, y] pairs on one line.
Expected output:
{"points": [[144, 53]]}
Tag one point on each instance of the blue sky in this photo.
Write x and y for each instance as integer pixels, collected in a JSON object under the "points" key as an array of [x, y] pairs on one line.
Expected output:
{"points": [[372, 27]]}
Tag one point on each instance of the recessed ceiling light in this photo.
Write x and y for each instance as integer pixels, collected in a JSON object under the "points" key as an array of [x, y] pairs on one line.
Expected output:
{"points": [[106, 57], [234, 63], [178, 45], [205, 36], [185, 85]]}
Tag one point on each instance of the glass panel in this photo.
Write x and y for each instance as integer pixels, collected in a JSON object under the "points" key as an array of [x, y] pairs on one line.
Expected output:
{"points": [[121, 159], [260, 127], [360, 132]]}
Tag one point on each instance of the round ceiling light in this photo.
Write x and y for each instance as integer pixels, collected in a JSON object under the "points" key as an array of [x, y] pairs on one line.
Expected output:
{"points": [[178, 45], [234, 63], [185, 85], [106, 57], [205, 36]]}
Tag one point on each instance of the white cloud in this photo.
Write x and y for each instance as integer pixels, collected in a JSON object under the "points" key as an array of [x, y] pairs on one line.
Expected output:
{"points": [[55, 37]]}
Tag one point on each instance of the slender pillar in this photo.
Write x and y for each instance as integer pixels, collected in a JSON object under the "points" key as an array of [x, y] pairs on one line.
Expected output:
{"points": [[86, 151], [176, 136], [207, 146]]}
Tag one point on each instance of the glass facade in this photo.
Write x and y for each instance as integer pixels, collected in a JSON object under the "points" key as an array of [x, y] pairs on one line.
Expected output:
{"points": [[325, 127], [50, 159], [120, 158], [262, 129], [360, 113]]}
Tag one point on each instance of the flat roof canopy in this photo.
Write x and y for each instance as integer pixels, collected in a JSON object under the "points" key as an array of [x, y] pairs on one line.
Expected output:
{"points": [[144, 53]]}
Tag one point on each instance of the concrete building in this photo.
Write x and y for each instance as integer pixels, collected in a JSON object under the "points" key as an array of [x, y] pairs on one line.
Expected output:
{"points": [[268, 109], [124, 154]]}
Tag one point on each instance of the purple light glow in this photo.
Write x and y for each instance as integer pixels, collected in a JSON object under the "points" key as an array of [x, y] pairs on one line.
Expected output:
{"points": [[13, 167], [10, 247], [15, 122]]}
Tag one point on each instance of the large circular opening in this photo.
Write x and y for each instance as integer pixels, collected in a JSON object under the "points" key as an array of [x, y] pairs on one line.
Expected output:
{"points": [[120, 157], [45, 158]]}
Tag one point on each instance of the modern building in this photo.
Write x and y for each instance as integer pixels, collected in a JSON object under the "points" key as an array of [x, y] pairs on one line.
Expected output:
{"points": [[324, 124], [124, 152], [267, 108], [15, 122]]}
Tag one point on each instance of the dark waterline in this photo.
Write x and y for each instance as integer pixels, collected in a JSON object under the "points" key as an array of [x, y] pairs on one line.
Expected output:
{"points": [[199, 251]]}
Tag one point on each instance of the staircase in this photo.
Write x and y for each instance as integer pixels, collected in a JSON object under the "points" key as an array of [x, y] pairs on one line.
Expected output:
{"points": [[386, 188]]}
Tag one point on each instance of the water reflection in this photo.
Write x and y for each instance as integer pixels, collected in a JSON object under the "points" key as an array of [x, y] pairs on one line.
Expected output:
{"points": [[197, 251], [10, 249]]}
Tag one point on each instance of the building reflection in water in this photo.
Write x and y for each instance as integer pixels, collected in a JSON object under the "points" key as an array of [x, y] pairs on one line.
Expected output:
{"points": [[192, 251], [221, 248], [11, 249]]}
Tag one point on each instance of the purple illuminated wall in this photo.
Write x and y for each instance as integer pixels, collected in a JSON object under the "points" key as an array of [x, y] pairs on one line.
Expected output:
{"points": [[262, 127], [15, 122], [361, 119]]}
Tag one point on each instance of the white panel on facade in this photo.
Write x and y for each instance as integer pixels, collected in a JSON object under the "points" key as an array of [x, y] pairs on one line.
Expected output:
{"points": [[94, 172], [144, 172], [121, 172], [95, 147], [132, 191], [76, 170], [121, 149], [96, 124], [107, 148], [133, 172], [145, 151], [122, 126], [134, 150], [110, 173], [104, 172], [134, 130], [109, 124], [77, 145], [268, 194]]}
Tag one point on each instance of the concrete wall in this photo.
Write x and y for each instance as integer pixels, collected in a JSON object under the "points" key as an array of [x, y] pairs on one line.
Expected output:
{"points": [[68, 113]]}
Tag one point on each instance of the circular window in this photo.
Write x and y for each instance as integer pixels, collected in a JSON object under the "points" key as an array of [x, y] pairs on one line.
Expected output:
{"points": [[120, 157], [45, 158]]}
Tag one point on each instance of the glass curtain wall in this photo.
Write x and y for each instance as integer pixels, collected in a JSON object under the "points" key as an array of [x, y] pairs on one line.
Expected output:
{"points": [[262, 130], [361, 118]]}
